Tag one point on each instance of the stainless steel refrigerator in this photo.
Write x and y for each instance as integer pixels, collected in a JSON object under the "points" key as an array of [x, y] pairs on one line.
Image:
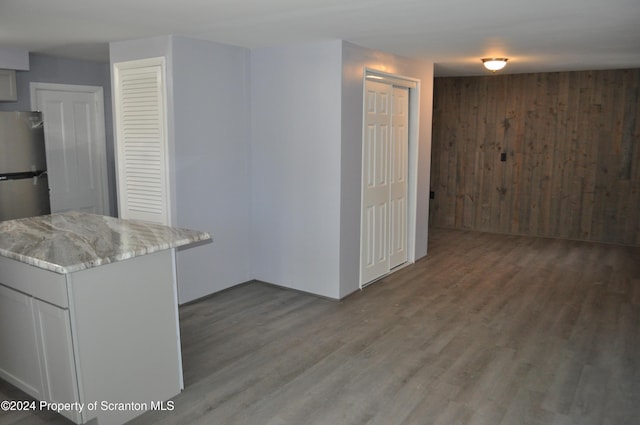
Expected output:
{"points": [[24, 189]]}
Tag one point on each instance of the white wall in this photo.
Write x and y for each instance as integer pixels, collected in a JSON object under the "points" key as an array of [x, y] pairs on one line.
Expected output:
{"points": [[209, 141], [295, 125], [212, 160], [354, 61]]}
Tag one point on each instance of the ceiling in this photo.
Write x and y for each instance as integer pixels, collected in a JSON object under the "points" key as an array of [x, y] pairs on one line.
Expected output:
{"points": [[536, 36]]}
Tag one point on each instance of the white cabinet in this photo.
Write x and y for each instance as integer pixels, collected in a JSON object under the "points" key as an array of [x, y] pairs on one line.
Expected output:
{"points": [[104, 334], [8, 89], [57, 363], [36, 353], [19, 359]]}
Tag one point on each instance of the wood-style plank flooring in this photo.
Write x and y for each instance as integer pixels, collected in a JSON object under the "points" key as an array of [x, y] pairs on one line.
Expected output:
{"points": [[487, 330]]}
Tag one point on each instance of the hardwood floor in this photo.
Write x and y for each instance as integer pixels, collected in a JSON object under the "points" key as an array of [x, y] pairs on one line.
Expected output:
{"points": [[488, 329]]}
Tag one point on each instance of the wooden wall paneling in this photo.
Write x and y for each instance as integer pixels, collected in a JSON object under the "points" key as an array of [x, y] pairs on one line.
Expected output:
{"points": [[503, 190], [530, 198], [607, 166], [437, 132], [612, 216], [547, 111], [507, 132], [495, 147], [601, 189], [485, 110], [466, 144], [633, 226], [586, 139], [458, 133], [472, 170], [600, 148], [475, 144], [461, 168], [573, 158], [555, 159], [623, 210], [629, 121], [448, 175], [497, 135], [464, 133], [631, 155], [517, 92], [446, 132]]}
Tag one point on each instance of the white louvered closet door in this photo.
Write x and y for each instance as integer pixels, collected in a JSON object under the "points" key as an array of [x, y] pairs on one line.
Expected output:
{"points": [[141, 140]]}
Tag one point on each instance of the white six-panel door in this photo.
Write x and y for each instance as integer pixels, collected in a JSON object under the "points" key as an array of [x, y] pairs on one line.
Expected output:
{"points": [[75, 143], [383, 244], [374, 248]]}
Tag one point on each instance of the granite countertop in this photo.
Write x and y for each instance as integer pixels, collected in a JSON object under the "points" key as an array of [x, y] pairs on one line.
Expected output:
{"points": [[72, 241]]}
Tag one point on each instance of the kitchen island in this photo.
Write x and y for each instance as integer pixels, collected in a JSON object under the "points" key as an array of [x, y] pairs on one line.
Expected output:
{"points": [[88, 313]]}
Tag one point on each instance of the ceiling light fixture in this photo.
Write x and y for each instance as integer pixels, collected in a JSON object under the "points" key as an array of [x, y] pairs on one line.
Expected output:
{"points": [[494, 64]]}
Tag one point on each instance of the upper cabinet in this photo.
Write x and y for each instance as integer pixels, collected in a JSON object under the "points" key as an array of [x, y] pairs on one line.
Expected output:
{"points": [[8, 90]]}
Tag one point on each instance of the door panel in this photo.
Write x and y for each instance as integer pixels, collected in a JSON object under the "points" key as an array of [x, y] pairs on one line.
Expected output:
{"points": [[76, 155], [374, 248], [399, 172], [19, 357], [383, 244], [58, 367], [141, 119]]}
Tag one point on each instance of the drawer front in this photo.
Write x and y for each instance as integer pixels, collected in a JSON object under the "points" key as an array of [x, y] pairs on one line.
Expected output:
{"points": [[39, 283]]}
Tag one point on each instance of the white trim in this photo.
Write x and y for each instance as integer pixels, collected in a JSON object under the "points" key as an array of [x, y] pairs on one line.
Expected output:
{"points": [[413, 84], [98, 95], [393, 79]]}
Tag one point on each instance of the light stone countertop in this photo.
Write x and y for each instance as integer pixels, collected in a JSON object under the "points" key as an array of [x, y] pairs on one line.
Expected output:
{"points": [[72, 241]]}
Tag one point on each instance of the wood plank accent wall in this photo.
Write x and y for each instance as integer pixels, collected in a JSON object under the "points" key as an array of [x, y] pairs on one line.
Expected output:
{"points": [[572, 145]]}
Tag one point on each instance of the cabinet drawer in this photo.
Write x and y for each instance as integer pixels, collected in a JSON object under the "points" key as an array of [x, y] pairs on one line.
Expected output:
{"points": [[39, 283]]}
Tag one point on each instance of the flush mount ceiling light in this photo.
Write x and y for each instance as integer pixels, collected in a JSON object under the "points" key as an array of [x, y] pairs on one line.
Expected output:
{"points": [[494, 64]]}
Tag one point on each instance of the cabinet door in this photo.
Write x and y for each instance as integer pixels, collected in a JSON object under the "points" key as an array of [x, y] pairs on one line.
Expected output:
{"points": [[19, 359], [8, 85], [58, 365]]}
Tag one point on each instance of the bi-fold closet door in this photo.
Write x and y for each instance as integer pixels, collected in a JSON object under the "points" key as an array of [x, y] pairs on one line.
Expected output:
{"points": [[383, 243]]}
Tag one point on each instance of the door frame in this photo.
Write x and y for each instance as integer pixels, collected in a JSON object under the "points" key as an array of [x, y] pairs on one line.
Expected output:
{"points": [[101, 140], [413, 84]]}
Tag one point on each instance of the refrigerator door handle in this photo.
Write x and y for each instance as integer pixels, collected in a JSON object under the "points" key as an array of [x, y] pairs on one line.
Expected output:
{"points": [[22, 175]]}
